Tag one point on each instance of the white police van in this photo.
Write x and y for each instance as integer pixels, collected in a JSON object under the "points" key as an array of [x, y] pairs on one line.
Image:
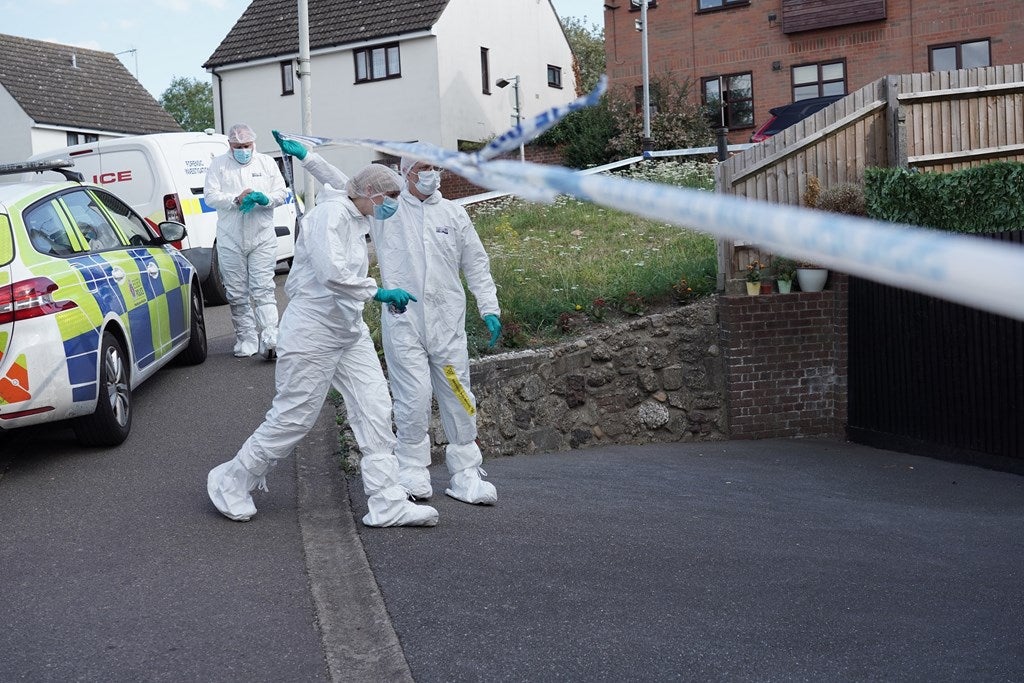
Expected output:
{"points": [[161, 176]]}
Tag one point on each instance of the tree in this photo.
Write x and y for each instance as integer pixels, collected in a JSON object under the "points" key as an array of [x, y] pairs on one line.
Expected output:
{"points": [[587, 45], [584, 133], [190, 102], [677, 120]]}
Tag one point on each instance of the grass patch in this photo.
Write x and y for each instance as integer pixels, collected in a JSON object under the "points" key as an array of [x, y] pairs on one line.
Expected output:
{"points": [[562, 267]]}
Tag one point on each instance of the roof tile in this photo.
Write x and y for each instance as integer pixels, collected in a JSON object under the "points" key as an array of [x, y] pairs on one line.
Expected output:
{"points": [[270, 28], [64, 85]]}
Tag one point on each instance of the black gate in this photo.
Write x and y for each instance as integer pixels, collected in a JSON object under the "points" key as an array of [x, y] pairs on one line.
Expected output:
{"points": [[934, 378]]}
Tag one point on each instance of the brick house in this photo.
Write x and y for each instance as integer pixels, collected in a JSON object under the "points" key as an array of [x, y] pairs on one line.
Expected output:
{"points": [[748, 56]]}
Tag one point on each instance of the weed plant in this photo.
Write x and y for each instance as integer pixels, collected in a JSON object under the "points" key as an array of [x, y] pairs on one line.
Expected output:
{"points": [[564, 266]]}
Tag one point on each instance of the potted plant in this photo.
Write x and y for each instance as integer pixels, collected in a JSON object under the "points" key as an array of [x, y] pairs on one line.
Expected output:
{"points": [[845, 198], [810, 276], [785, 271], [754, 277]]}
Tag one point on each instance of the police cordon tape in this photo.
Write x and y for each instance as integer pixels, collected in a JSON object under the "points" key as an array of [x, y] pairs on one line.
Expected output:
{"points": [[984, 274]]}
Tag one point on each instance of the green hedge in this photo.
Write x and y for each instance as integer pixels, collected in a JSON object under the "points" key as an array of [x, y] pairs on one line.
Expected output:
{"points": [[984, 199]]}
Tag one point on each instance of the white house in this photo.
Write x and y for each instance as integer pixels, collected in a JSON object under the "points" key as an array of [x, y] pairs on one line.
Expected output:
{"points": [[54, 95], [407, 70]]}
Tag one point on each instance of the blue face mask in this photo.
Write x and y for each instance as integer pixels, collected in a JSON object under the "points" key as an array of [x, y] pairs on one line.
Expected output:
{"points": [[242, 156], [386, 210]]}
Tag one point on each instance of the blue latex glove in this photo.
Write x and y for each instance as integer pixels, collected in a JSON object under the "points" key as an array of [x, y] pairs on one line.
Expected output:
{"points": [[494, 325], [399, 297], [259, 198], [296, 149], [247, 203]]}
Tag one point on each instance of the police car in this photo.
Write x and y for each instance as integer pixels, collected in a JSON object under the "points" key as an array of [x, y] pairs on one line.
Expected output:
{"points": [[93, 300]]}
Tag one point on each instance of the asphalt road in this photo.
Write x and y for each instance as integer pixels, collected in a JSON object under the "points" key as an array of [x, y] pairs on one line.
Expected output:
{"points": [[776, 560], [116, 567]]}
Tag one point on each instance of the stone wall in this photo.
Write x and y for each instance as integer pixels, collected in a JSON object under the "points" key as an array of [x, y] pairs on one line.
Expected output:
{"points": [[742, 367], [658, 378]]}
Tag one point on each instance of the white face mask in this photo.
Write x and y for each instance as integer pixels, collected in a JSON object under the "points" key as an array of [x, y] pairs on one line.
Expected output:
{"points": [[428, 181]]}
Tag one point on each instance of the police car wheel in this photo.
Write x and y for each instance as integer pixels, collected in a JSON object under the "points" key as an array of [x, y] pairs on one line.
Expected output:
{"points": [[195, 352], [112, 421]]}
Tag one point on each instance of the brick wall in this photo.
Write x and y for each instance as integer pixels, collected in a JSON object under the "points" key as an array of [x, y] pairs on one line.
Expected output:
{"points": [[454, 186], [786, 362], [693, 45]]}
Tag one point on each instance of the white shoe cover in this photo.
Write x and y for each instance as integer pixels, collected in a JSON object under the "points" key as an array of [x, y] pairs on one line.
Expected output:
{"points": [[416, 481], [228, 486], [392, 507], [244, 349], [467, 486]]}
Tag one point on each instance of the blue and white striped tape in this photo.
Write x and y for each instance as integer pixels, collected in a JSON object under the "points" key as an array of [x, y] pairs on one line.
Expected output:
{"points": [[984, 274]]}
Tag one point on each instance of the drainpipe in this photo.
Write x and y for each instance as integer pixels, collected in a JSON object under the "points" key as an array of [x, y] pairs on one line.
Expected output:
{"points": [[220, 98]]}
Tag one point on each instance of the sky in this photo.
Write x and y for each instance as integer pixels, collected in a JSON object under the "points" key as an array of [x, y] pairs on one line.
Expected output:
{"points": [[160, 40]]}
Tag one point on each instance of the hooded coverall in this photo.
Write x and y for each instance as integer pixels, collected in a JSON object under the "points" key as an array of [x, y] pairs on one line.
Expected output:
{"points": [[247, 245], [324, 342], [425, 248]]}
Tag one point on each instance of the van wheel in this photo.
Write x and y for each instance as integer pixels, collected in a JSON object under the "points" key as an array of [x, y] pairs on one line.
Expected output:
{"points": [[213, 288], [110, 424], [195, 352]]}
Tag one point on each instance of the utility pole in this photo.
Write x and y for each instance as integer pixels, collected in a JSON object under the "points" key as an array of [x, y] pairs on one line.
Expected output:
{"points": [[305, 85]]}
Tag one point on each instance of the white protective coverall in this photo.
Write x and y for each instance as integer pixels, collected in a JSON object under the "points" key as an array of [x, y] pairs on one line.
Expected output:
{"points": [[247, 246], [423, 249], [324, 342]]}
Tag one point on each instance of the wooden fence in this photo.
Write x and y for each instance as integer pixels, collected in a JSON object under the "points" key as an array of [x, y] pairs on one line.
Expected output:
{"points": [[939, 121]]}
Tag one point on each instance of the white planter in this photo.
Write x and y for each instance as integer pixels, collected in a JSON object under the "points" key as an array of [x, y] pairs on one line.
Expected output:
{"points": [[811, 279]]}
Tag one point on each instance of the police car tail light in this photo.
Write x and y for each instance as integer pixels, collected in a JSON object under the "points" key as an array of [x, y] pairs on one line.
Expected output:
{"points": [[30, 299], [172, 208]]}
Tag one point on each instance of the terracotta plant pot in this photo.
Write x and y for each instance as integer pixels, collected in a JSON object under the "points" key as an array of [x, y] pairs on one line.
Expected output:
{"points": [[766, 287]]}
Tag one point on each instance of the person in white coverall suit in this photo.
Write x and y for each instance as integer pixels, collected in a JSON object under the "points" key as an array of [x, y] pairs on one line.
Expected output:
{"points": [[324, 342], [424, 248], [244, 186]]}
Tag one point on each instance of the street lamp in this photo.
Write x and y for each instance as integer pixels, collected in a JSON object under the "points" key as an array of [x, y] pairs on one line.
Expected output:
{"points": [[646, 143], [514, 80]]}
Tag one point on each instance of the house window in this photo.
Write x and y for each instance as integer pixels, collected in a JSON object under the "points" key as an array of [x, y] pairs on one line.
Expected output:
{"points": [[966, 55], [730, 100], [378, 63], [79, 138], [638, 98], [819, 80], [287, 78], [719, 4], [554, 76], [485, 70]]}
